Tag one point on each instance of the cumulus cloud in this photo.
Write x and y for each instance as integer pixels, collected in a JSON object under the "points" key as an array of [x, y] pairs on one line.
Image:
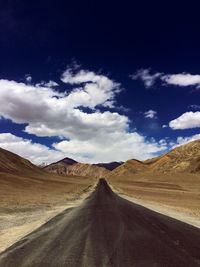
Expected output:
{"points": [[34, 152], [116, 146], [96, 89], [50, 113], [187, 120], [90, 135], [180, 79], [150, 114], [146, 77]]}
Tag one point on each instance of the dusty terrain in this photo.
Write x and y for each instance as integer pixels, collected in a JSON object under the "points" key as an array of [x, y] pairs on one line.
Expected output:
{"points": [[107, 230], [30, 196], [169, 183], [176, 195], [27, 202]]}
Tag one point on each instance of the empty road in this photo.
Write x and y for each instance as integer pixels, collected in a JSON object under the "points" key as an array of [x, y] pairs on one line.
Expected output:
{"points": [[107, 230]]}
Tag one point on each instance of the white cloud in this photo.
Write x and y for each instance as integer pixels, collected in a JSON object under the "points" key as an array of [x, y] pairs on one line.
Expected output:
{"points": [[150, 114], [34, 152], [187, 120], [99, 150], [90, 135], [181, 79], [49, 113], [115, 147], [96, 90], [146, 76]]}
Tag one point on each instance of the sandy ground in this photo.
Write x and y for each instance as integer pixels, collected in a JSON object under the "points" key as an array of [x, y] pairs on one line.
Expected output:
{"points": [[183, 214], [177, 196], [18, 224], [22, 213], [107, 230], [24, 209], [14, 226]]}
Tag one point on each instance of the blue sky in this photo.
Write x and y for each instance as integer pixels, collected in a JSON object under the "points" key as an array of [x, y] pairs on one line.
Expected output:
{"points": [[98, 81]]}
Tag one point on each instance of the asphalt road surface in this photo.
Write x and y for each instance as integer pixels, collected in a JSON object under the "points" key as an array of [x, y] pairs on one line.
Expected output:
{"points": [[107, 230]]}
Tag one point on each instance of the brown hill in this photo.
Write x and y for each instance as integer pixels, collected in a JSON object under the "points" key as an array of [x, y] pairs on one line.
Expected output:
{"points": [[29, 195], [131, 166], [12, 163], [71, 167], [21, 182], [169, 184], [185, 158]]}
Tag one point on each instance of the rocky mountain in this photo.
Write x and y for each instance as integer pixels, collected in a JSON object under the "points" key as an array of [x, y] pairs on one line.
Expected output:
{"points": [[185, 158], [61, 166], [69, 166]]}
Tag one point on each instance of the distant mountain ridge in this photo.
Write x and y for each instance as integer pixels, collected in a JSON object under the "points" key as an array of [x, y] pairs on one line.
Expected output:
{"points": [[13, 163], [185, 158], [68, 166]]}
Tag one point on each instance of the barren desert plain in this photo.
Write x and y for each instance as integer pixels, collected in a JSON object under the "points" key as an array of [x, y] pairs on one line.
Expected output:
{"points": [[143, 214]]}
